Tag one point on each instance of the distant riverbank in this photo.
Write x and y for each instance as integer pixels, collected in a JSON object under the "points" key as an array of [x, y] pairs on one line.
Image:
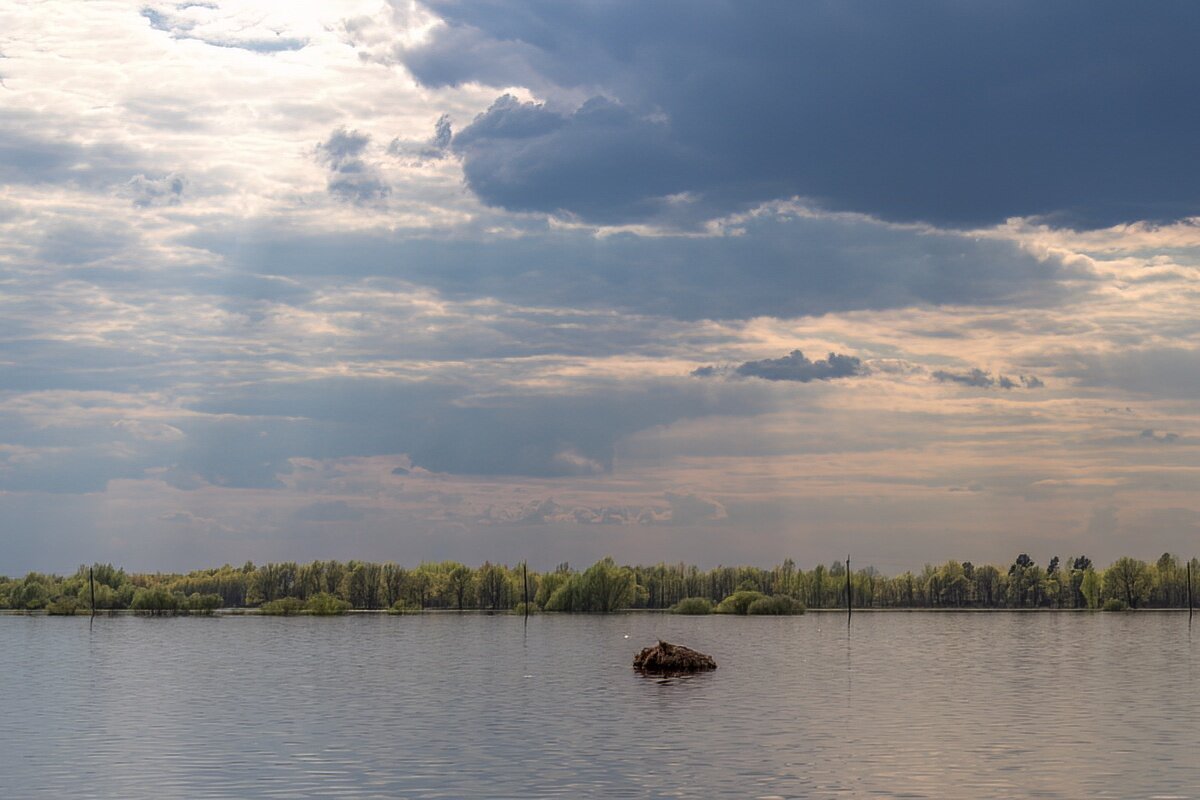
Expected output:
{"points": [[335, 587]]}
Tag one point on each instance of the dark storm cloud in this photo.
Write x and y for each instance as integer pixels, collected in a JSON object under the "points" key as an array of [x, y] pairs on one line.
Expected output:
{"points": [[602, 161], [983, 380], [959, 114], [783, 266], [351, 176]]}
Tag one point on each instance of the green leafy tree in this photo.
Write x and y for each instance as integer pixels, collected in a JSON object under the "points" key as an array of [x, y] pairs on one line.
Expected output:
{"points": [[1128, 580], [493, 587], [607, 587], [459, 582], [1091, 587]]}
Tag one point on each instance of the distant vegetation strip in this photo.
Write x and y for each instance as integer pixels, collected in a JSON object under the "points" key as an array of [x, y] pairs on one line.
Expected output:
{"points": [[335, 587]]}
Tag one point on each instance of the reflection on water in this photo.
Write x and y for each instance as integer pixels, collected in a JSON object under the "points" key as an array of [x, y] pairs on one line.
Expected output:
{"points": [[444, 706]]}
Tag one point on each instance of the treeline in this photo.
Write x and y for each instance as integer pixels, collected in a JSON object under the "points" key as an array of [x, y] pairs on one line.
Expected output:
{"points": [[607, 586]]}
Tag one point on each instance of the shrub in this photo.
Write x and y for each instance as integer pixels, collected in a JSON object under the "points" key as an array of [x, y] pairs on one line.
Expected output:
{"points": [[738, 602], [155, 601], [283, 607], [203, 603], [519, 609], [324, 604], [1115, 604], [29, 595], [403, 607], [567, 597], [65, 606], [693, 605], [779, 604]]}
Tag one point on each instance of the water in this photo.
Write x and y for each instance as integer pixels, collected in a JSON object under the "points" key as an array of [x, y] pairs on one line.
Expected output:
{"points": [[447, 706]]}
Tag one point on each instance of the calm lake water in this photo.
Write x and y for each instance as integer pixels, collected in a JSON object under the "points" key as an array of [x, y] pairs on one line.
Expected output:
{"points": [[943, 705]]}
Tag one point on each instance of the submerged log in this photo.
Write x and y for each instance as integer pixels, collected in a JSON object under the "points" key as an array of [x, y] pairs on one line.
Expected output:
{"points": [[665, 657]]}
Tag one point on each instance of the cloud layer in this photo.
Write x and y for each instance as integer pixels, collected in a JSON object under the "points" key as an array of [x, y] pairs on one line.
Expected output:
{"points": [[1077, 111], [716, 281]]}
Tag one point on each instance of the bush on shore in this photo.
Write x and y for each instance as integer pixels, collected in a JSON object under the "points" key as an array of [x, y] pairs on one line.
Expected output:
{"points": [[283, 607], [65, 606], [155, 601], [693, 605], [779, 604], [751, 602], [403, 607], [738, 602], [324, 604], [203, 603]]}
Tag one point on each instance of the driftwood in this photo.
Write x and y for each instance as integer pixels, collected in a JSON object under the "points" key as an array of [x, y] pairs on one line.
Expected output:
{"points": [[667, 658]]}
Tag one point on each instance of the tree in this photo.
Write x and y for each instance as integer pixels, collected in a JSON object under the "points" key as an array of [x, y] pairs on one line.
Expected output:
{"points": [[363, 585], [1127, 579], [952, 584], [551, 582], [607, 587], [494, 588], [1089, 587], [394, 579], [458, 581], [32, 593]]}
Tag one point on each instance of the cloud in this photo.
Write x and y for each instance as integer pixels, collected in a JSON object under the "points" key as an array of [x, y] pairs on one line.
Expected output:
{"points": [[202, 22], [1171, 371], [979, 379], [434, 148], [166, 190], [784, 262], [795, 366], [950, 113], [149, 430], [248, 434], [678, 508], [1147, 438], [34, 151], [691, 509], [331, 511], [351, 177], [601, 161]]}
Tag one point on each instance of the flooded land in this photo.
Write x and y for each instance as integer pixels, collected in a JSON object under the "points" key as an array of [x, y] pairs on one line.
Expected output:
{"points": [[962, 705]]}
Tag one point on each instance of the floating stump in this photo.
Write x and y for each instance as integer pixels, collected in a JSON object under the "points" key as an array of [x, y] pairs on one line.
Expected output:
{"points": [[666, 659]]}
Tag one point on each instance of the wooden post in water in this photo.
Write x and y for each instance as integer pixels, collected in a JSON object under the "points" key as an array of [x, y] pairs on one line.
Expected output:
{"points": [[848, 591], [1189, 590], [525, 580], [92, 584]]}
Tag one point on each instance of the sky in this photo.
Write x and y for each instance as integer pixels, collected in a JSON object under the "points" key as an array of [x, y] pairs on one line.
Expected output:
{"points": [[714, 282]]}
